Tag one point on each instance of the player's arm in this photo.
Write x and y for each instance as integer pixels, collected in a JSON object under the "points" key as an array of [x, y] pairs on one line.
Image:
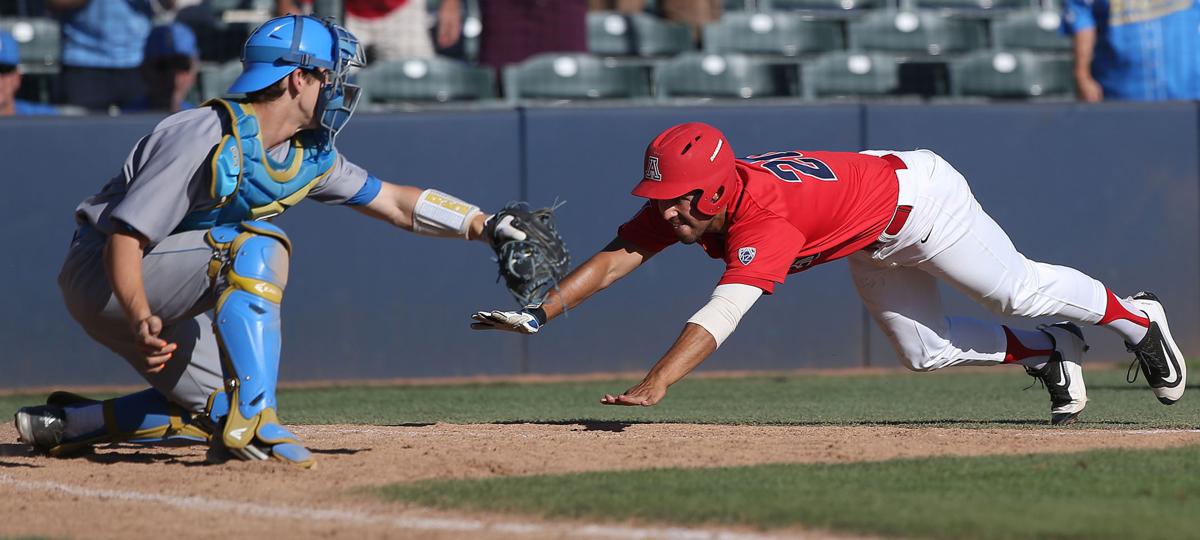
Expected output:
{"points": [[429, 212], [702, 334], [123, 264], [610, 264], [1084, 46]]}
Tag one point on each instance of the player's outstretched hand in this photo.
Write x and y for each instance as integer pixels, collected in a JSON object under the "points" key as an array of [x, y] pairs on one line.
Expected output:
{"points": [[645, 394], [512, 321], [155, 350]]}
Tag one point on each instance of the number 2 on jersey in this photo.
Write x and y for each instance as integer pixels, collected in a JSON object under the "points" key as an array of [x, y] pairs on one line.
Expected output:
{"points": [[788, 166]]}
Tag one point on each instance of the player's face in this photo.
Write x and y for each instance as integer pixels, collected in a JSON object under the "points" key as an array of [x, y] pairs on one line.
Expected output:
{"points": [[309, 95], [687, 223]]}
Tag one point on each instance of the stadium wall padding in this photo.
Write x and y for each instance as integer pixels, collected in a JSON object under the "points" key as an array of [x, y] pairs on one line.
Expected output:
{"points": [[1113, 190]]}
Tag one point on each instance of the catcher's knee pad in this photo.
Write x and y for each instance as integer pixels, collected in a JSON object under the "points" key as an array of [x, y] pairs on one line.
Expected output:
{"points": [[142, 417], [247, 323]]}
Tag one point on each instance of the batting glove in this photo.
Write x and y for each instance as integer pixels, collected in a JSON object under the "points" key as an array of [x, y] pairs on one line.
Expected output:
{"points": [[521, 322]]}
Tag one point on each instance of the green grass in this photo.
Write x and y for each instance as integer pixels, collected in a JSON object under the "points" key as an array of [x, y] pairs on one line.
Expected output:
{"points": [[972, 397], [1099, 494]]}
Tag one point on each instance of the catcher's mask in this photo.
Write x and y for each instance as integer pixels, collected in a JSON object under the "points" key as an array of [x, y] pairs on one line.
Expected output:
{"points": [[283, 44], [686, 158]]}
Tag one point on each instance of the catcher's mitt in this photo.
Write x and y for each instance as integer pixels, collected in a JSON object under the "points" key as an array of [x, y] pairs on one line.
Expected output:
{"points": [[533, 266]]}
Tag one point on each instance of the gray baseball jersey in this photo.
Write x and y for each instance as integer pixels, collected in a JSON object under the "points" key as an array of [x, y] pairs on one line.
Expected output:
{"points": [[166, 177]]}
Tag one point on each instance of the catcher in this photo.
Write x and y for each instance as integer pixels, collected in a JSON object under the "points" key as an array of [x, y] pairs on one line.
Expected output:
{"points": [[175, 268], [903, 220]]}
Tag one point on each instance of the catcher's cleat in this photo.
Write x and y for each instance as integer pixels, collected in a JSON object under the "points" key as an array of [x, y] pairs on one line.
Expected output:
{"points": [[1157, 354], [253, 439], [1063, 374], [41, 426]]}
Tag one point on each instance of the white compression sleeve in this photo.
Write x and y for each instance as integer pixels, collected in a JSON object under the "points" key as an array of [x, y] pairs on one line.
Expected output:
{"points": [[725, 309], [440, 214]]}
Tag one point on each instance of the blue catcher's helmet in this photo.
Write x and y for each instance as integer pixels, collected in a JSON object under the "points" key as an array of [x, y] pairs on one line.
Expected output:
{"points": [[283, 44]]}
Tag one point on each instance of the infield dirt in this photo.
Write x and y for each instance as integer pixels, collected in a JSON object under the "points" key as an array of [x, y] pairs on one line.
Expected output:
{"points": [[123, 491]]}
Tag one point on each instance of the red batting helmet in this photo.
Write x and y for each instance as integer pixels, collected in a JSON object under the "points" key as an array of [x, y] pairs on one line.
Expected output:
{"points": [[686, 158]]}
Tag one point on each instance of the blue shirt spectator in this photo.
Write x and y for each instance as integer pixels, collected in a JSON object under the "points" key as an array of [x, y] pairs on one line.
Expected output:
{"points": [[1147, 50], [170, 65], [10, 81], [102, 43]]}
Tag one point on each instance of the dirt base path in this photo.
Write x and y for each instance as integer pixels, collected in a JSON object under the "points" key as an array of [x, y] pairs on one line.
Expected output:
{"points": [[124, 491]]}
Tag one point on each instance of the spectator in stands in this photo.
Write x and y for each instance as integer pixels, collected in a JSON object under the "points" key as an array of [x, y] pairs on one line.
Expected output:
{"points": [[10, 82], [387, 29], [514, 30], [1143, 51], [694, 13], [170, 62], [102, 49]]}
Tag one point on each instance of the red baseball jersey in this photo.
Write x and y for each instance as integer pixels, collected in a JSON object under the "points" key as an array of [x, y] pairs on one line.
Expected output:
{"points": [[793, 210]]}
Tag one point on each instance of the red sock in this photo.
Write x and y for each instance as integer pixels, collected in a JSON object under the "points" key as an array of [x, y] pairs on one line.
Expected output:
{"points": [[1116, 310], [1015, 350]]}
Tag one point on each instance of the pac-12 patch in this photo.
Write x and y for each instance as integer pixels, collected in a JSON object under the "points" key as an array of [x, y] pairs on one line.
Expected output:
{"points": [[746, 255]]}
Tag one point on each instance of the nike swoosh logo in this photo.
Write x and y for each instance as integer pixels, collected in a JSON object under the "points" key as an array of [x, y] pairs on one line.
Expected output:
{"points": [[1065, 381], [926, 239], [1173, 377], [237, 433]]}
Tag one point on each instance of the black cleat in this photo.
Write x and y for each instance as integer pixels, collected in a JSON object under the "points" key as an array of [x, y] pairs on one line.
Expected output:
{"points": [[1063, 374], [41, 426]]}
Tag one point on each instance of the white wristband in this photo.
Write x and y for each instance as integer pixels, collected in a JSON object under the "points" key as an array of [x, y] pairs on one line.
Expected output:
{"points": [[440, 214], [723, 312]]}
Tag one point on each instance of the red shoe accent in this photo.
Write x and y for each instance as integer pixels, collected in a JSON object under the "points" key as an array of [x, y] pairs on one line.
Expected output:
{"points": [[1115, 310]]}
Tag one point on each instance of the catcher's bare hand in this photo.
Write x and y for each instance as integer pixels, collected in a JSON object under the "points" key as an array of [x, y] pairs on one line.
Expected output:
{"points": [[645, 394], [513, 321], [155, 350]]}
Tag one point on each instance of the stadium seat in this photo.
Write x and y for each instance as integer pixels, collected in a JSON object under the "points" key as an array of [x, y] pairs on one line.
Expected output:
{"points": [[640, 34], [574, 76], [1033, 30], [425, 79], [38, 39], [778, 32], [823, 4], [850, 74], [919, 31], [720, 76], [974, 5], [215, 79], [1011, 74]]}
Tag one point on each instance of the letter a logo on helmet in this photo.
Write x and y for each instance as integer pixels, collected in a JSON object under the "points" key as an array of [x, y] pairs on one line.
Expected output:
{"points": [[686, 158], [652, 169]]}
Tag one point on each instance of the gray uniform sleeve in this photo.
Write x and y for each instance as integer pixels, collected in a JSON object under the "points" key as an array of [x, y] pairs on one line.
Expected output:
{"points": [[342, 183], [162, 184]]}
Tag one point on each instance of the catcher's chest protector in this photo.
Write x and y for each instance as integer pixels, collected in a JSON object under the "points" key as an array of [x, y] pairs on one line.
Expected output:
{"points": [[247, 183]]}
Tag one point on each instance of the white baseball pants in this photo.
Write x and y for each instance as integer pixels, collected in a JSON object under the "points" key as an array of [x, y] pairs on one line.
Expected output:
{"points": [[948, 236]]}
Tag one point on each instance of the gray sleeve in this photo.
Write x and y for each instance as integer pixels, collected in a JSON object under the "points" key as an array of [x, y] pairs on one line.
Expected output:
{"points": [[161, 174], [342, 183]]}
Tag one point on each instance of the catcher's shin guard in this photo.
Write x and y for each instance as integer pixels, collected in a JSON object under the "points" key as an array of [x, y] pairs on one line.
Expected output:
{"points": [[248, 330], [141, 417]]}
